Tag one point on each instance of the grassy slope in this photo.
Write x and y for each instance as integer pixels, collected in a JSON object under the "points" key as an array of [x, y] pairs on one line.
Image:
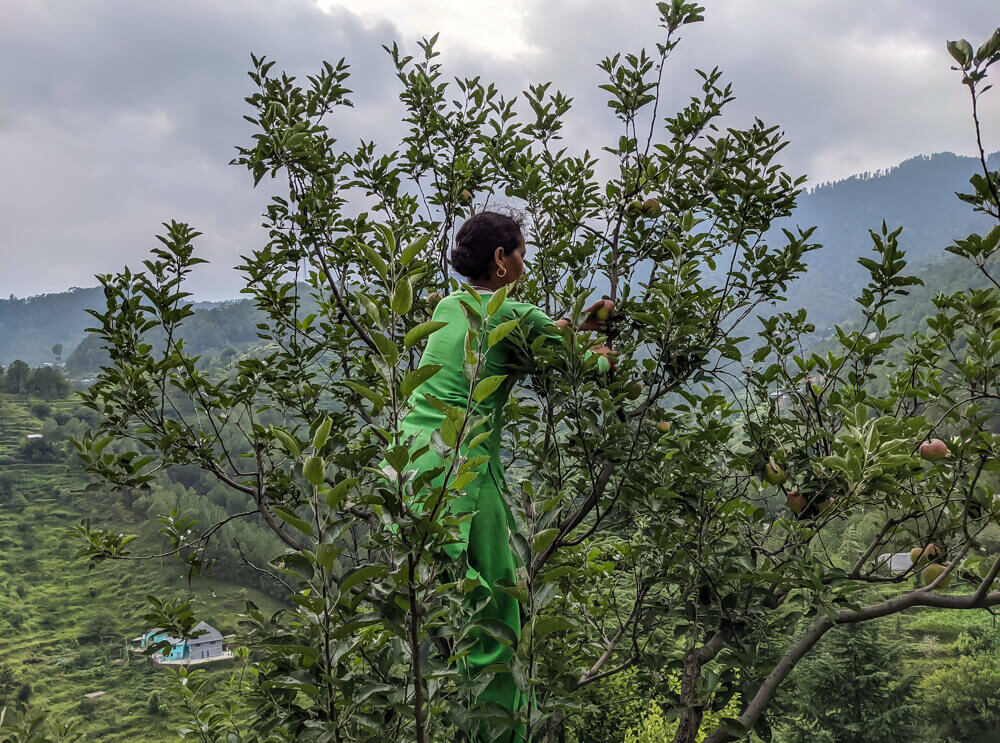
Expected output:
{"points": [[53, 609]]}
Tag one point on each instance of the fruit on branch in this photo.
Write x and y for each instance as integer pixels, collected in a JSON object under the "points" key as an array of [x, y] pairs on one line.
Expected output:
{"points": [[651, 208], [796, 501], [774, 474], [931, 573], [930, 553], [934, 450], [432, 300], [664, 426], [466, 196], [633, 389], [634, 208], [604, 314], [824, 505]]}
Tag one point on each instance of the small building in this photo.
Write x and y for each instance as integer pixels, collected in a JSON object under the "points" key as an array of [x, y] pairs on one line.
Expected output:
{"points": [[208, 644], [893, 562]]}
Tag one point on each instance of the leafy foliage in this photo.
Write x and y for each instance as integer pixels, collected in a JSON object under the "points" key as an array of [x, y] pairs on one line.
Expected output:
{"points": [[663, 551]]}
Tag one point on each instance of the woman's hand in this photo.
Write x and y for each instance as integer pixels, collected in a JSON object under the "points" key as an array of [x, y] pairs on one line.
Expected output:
{"points": [[598, 315]]}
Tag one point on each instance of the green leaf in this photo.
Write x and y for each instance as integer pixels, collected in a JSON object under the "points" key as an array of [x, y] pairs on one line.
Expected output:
{"points": [[501, 331], [463, 480], [402, 298], [496, 300], [286, 440], [421, 331], [387, 348], [486, 388], [398, 457], [417, 377], [411, 250], [543, 539], [326, 554], [961, 52], [363, 573], [497, 630], [322, 434], [548, 625], [375, 259], [371, 395], [293, 520]]}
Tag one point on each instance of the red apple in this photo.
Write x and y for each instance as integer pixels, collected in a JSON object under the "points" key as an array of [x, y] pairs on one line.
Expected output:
{"points": [[925, 554], [650, 208], [663, 426], [934, 450], [796, 501]]}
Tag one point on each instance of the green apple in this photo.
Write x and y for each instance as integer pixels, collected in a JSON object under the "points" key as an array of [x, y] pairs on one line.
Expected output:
{"points": [[774, 474], [931, 573], [651, 208]]}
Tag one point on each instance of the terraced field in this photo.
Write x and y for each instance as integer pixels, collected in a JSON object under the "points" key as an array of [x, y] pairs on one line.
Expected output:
{"points": [[64, 628]]}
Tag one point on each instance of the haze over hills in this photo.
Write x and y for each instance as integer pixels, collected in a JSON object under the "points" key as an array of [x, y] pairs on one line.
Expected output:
{"points": [[918, 194]]}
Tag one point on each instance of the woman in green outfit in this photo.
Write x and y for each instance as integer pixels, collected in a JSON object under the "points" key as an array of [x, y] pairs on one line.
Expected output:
{"points": [[489, 252]]}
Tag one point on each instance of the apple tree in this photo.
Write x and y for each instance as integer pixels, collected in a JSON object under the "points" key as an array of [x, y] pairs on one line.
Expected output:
{"points": [[674, 517]]}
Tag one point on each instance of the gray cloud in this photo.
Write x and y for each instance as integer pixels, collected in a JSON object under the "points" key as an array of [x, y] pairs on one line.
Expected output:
{"points": [[117, 116]]}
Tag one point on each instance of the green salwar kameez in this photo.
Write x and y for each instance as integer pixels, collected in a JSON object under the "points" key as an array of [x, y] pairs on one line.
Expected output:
{"points": [[485, 537]]}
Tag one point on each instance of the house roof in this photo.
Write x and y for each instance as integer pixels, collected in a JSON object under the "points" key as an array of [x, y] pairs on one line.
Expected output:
{"points": [[896, 562], [211, 634]]}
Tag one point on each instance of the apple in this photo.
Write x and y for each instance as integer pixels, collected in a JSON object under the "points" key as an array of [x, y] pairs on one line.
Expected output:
{"points": [[603, 314], [931, 572], [433, 298], [824, 505], [664, 426], [650, 208], [934, 450], [930, 553], [796, 501], [633, 389], [634, 209], [465, 196], [774, 474]]}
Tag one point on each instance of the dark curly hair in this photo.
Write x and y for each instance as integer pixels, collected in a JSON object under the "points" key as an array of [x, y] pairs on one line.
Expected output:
{"points": [[479, 238]]}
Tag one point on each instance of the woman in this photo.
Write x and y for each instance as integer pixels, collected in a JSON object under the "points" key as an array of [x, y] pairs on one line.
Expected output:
{"points": [[490, 254]]}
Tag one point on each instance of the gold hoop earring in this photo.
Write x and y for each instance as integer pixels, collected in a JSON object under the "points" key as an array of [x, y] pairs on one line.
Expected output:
{"points": [[501, 275]]}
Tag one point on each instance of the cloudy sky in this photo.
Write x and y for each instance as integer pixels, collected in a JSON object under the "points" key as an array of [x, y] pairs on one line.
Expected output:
{"points": [[117, 115]]}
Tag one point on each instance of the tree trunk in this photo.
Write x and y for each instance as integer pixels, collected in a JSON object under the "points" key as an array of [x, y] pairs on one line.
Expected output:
{"points": [[690, 721]]}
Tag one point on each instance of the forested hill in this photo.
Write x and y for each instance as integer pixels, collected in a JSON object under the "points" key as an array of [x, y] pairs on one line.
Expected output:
{"points": [[918, 194], [31, 326]]}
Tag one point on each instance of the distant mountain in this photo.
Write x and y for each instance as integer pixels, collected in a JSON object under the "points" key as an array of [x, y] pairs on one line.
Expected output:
{"points": [[918, 194], [31, 326]]}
